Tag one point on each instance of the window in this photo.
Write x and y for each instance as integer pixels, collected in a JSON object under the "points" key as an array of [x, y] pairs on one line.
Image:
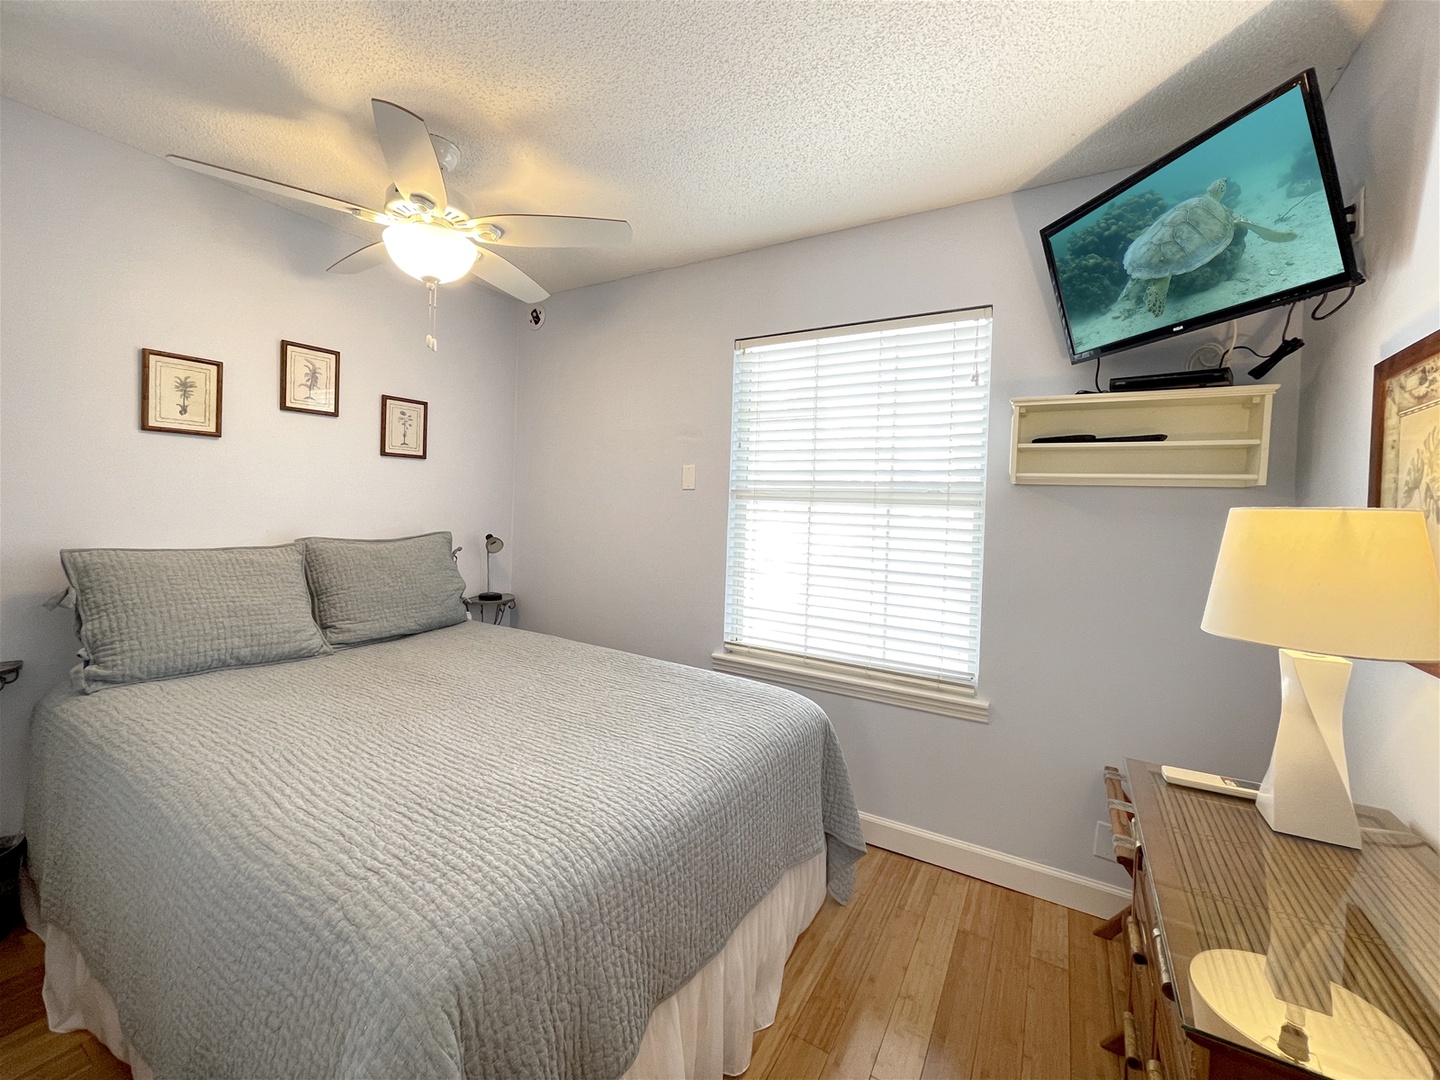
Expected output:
{"points": [[857, 498]]}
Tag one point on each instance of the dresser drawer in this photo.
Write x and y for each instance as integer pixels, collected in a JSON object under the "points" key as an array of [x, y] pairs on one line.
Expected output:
{"points": [[1163, 1049], [1144, 993]]}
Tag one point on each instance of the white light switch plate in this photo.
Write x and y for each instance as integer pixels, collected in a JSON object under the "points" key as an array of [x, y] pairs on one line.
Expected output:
{"points": [[687, 477], [1104, 841]]}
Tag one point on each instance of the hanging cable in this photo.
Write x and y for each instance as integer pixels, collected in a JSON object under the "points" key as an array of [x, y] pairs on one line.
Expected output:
{"points": [[1264, 356], [1097, 389], [1268, 360], [1315, 314], [1199, 356]]}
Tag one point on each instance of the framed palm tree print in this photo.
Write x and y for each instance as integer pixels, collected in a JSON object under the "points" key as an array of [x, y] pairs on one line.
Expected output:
{"points": [[179, 393], [404, 425], [309, 379]]}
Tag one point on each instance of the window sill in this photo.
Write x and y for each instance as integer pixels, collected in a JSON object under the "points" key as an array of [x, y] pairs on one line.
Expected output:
{"points": [[889, 688]]}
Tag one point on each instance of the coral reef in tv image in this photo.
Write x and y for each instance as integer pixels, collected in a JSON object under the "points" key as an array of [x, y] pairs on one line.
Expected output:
{"points": [[1282, 235]]}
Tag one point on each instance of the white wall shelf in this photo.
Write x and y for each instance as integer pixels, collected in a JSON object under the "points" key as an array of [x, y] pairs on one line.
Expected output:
{"points": [[1215, 437]]}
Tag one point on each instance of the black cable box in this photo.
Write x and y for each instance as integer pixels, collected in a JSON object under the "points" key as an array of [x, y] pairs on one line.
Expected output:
{"points": [[1175, 380]]}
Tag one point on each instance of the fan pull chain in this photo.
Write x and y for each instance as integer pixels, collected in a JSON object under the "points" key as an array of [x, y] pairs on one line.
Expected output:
{"points": [[433, 286]]}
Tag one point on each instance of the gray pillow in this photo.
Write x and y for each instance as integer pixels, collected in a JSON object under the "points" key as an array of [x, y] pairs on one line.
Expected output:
{"points": [[370, 590], [155, 614]]}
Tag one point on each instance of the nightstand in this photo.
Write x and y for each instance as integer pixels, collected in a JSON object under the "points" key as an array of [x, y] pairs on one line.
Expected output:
{"points": [[484, 607], [1257, 954]]}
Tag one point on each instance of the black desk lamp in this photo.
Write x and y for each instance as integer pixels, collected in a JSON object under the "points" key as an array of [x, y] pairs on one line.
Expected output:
{"points": [[493, 544]]}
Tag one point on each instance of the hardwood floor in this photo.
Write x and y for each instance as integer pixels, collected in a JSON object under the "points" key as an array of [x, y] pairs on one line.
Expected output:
{"points": [[28, 1048], [924, 974]]}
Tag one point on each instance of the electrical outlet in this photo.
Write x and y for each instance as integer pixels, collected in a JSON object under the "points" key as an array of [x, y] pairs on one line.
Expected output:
{"points": [[1104, 841], [1355, 216]]}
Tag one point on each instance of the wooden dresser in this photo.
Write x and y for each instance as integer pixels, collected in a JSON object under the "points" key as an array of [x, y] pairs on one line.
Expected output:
{"points": [[1253, 951]]}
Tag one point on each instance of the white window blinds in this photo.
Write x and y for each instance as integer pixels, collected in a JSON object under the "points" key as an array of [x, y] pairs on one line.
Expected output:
{"points": [[857, 494]]}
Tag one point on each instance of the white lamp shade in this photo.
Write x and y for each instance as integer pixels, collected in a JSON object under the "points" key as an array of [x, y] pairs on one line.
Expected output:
{"points": [[428, 251], [1346, 582]]}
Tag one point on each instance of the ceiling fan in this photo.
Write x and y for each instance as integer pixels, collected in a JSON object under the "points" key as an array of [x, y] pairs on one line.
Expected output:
{"points": [[426, 235]]}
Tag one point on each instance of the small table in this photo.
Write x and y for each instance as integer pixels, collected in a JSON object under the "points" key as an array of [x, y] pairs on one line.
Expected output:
{"points": [[504, 604]]}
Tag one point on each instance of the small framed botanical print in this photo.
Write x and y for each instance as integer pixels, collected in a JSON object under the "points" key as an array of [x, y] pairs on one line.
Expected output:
{"points": [[403, 424], [309, 379], [180, 393]]}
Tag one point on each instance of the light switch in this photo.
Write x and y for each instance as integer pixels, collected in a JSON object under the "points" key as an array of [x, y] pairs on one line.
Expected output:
{"points": [[687, 477]]}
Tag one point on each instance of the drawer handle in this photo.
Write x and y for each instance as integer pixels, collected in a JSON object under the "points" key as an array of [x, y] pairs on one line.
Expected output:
{"points": [[1122, 834], [1167, 984], [1132, 1042], [1152, 1070], [1137, 944]]}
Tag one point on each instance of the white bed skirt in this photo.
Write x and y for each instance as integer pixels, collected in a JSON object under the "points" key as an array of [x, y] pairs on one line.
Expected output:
{"points": [[703, 1030], [707, 1027]]}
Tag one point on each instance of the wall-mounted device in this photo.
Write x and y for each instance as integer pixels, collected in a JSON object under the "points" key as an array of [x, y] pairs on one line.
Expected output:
{"points": [[1243, 217], [1174, 380]]}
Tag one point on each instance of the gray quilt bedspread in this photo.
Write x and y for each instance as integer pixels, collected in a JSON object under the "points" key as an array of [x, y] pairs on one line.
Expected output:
{"points": [[475, 851]]}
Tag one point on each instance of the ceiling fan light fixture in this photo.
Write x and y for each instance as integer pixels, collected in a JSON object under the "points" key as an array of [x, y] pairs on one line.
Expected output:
{"points": [[426, 251]]}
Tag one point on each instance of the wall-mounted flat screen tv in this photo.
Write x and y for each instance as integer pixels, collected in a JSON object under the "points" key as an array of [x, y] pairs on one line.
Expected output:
{"points": [[1245, 216]]}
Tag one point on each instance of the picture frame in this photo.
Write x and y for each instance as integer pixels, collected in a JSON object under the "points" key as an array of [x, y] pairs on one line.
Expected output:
{"points": [[309, 379], [1405, 437], [179, 394], [404, 427]]}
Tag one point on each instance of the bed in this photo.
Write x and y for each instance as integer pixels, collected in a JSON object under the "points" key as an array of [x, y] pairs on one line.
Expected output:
{"points": [[468, 850]]}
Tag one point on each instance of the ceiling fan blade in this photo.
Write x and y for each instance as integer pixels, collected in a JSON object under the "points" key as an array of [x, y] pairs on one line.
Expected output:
{"points": [[357, 262], [507, 277], [549, 230], [405, 142], [274, 187]]}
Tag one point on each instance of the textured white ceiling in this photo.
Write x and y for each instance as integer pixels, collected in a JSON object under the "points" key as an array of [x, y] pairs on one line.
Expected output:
{"points": [[713, 127]]}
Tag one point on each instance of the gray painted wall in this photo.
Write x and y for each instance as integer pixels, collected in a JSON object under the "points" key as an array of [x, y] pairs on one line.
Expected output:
{"points": [[1385, 123], [1091, 644], [107, 251]]}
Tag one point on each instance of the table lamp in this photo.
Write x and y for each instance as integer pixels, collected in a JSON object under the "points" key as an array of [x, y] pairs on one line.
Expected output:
{"points": [[1322, 584], [493, 544]]}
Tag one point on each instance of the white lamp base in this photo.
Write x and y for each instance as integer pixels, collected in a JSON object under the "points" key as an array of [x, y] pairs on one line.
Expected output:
{"points": [[1306, 791]]}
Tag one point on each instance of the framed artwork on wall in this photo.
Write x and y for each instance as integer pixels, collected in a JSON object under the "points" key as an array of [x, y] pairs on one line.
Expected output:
{"points": [[309, 379], [1405, 437], [181, 394], [404, 425]]}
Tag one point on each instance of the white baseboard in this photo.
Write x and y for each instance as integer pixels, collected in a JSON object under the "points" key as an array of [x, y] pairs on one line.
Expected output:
{"points": [[1022, 875]]}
